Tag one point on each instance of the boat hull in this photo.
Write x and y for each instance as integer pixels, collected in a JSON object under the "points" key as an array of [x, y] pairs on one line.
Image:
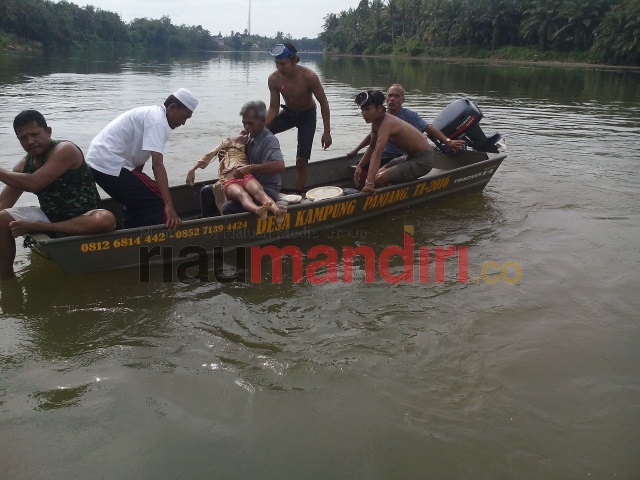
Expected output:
{"points": [[469, 171]]}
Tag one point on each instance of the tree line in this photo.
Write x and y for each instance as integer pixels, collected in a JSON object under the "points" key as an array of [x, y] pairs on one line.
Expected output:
{"points": [[67, 25], [607, 31]]}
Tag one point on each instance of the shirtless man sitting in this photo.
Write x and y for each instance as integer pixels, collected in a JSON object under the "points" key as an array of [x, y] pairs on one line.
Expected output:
{"points": [[395, 100], [388, 128], [297, 85]]}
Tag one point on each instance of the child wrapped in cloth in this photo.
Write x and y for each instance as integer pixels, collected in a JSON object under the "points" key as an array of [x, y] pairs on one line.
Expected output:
{"points": [[246, 189]]}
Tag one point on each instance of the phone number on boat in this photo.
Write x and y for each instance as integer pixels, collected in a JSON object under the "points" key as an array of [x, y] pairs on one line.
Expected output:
{"points": [[160, 237]]}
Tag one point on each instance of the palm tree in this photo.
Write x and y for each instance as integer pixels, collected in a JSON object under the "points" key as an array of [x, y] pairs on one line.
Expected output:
{"points": [[377, 25], [505, 17], [540, 22], [618, 36], [581, 17]]}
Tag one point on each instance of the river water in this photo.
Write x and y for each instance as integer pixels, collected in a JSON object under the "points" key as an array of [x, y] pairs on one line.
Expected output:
{"points": [[536, 376]]}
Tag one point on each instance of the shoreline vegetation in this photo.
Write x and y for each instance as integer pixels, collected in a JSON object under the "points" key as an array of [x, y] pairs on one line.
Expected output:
{"points": [[498, 58], [527, 57], [585, 33]]}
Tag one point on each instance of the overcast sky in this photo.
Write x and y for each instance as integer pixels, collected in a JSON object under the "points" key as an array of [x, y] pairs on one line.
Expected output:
{"points": [[300, 18]]}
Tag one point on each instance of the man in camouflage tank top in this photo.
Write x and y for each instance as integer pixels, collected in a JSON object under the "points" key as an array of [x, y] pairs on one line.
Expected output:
{"points": [[57, 173]]}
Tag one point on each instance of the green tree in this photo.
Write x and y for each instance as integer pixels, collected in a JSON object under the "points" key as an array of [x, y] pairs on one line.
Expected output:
{"points": [[505, 17], [618, 36], [541, 22], [580, 18]]}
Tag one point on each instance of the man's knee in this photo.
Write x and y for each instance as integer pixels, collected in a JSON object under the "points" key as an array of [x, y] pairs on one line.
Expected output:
{"points": [[5, 220], [382, 178], [104, 221], [302, 162]]}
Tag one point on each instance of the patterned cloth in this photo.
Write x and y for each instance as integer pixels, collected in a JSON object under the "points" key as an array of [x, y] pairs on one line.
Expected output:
{"points": [[69, 196], [232, 156]]}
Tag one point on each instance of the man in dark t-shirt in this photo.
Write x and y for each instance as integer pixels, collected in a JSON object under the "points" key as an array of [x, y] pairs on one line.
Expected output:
{"points": [[266, 162]]}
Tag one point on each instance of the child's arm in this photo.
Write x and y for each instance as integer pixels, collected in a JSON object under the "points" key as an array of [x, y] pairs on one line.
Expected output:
{"points": [[204, 161]]}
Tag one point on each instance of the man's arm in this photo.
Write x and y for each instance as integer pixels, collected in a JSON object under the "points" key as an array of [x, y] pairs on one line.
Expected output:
{"points": [[366, 158], [378, 142], [365, 141], [162, 180], [63, 157], [274, 101], [364, 161], [433, 133], [269, 168], [10, 195], [321, 97]]}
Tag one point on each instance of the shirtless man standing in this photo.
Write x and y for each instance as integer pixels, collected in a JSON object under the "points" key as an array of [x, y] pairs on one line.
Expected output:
{"points": [[297, 85], [389, 128]]}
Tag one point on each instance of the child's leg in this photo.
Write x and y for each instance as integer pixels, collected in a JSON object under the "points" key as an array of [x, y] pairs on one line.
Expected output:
{"points": [[257, 192], [236, 192]]}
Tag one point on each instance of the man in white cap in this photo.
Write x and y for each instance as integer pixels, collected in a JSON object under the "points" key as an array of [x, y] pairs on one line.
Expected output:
{"points": [[118, 153]]}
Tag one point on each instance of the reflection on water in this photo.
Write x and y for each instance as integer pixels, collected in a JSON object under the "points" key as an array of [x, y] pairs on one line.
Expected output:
{"points": [[527, 380], [479, 81]]}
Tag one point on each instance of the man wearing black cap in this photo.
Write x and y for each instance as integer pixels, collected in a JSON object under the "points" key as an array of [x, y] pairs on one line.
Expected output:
{"points": [[388, 128], [118, 153], [297, 85]]}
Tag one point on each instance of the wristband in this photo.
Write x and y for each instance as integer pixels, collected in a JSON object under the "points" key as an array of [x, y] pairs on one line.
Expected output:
{"points": [[367, 182]]}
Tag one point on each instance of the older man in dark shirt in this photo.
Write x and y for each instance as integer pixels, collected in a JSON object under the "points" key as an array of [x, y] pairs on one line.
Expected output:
{"points": [[266, 162]]}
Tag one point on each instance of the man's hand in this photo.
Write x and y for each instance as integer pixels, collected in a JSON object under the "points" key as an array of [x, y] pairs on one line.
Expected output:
{"points": [[368, 188], [326, 140], [242, 171], [357, 175], [352, 153], [456, 145], [173, 221]]}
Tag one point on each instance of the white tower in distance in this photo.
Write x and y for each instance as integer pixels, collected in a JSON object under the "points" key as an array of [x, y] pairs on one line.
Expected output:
{"points": [[249, 21]]}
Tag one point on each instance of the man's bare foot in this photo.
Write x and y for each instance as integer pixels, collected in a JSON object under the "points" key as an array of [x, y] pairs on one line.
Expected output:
{"points": [[263, 211], [22, 227]]}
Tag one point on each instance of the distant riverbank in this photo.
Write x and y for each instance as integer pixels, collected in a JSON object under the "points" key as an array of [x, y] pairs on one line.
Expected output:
{"points": [[507, 56], [11, 43], [542, 63]]}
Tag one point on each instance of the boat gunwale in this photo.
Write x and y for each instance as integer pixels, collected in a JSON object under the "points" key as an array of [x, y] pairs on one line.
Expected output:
{"points": [[44, 240]]}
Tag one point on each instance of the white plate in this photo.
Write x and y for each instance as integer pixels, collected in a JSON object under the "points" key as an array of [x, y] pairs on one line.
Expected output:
{"points": [[322, 193], [291, 198]]}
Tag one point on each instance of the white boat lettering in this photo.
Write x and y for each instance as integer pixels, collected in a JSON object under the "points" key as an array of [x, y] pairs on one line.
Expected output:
{"points": [[486, 171]]}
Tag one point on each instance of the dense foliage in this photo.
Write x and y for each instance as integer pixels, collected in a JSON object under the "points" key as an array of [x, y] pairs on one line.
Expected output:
{"points": [[606, 30], [66, 25]]}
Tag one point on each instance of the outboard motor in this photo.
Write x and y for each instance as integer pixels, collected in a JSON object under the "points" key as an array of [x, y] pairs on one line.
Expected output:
{"points": [[461, 120]]}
